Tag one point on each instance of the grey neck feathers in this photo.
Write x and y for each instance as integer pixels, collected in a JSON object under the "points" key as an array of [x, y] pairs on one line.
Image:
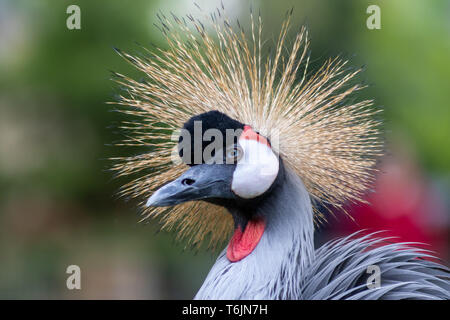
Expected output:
{"points": [[275, 267]]}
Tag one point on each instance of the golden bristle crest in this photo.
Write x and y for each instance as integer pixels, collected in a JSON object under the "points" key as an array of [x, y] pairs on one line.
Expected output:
{"points": [[332, 144]]}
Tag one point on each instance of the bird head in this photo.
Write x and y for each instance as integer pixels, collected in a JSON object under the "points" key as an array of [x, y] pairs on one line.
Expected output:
{"points": [[237, 170], [230, 170], [277, 114]]}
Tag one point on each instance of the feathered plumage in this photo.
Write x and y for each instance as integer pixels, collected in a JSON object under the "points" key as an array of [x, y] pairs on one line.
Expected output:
{"points": [[340, 271], [329, 141]]}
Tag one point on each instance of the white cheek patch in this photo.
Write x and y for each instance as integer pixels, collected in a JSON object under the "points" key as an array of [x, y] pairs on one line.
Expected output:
{"points": [[255, 171]]}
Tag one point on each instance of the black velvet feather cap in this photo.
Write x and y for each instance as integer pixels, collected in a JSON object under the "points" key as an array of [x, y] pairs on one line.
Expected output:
{"points": [[195, 128]]}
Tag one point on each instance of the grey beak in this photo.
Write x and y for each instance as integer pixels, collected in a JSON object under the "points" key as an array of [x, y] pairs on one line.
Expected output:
{"points": [[198, 182]]}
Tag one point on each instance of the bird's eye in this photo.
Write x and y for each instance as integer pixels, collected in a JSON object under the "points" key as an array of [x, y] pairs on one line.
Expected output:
{"points": [[234, 154]]}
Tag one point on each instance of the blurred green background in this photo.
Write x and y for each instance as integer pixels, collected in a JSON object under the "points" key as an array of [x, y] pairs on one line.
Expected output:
{"points": [[57, 203]]}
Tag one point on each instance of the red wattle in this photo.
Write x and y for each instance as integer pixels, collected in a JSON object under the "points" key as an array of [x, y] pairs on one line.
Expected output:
{"points": [[243, 243]]}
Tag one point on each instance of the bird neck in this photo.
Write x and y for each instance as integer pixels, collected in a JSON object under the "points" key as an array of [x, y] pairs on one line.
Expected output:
{"points": [[274, 269]]}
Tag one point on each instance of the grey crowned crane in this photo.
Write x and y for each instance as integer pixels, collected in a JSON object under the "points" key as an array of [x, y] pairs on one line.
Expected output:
{"points": [[297, 139]]}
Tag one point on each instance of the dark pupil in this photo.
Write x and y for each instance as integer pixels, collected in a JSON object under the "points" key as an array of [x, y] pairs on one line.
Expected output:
{"points": [[233, 154]]}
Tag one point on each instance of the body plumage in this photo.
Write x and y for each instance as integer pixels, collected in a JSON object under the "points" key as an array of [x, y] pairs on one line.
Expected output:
{"points": [[285, 264]]}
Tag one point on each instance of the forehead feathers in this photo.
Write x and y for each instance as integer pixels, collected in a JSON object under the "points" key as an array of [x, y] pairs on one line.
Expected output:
{"points": [[211, 120]]}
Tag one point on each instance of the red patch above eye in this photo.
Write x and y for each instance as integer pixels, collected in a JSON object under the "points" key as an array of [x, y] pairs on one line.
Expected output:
{"points": [[249, 134], [243, 243]]}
